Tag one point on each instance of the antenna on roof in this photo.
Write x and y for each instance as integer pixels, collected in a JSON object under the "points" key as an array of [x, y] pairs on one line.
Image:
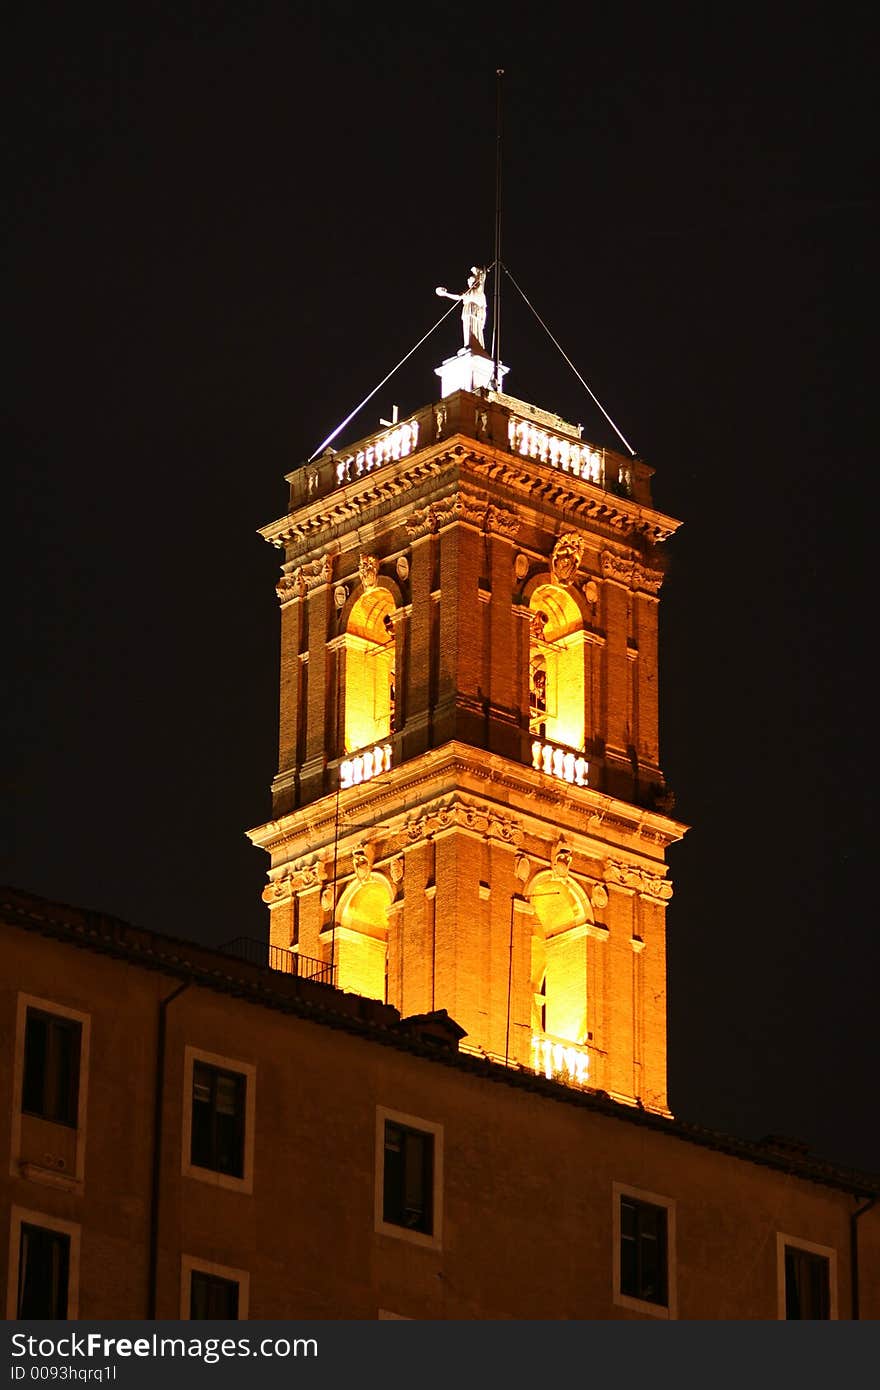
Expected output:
{"points": [[496, 306]]}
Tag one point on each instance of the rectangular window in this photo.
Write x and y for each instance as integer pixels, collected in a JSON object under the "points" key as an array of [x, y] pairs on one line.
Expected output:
{"points": [[218, 1119], [43, 1272], [408, 1183], [50, 1084], [212, 1297], [643, 1262], [807, 1284]]}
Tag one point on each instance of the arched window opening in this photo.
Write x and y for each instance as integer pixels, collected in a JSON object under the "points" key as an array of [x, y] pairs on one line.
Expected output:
{"points": [[369, 671], [559, 959], [556, 668], [361, 936]]}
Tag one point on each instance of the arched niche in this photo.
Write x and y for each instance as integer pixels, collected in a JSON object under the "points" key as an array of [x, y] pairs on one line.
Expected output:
{"points": [[361, 935], [562, 913], [556, 666], [369, 675]]}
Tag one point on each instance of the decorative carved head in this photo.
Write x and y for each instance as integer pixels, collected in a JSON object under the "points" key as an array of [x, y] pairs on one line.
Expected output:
{"points": [[566, 557], [368, 571], [561, 861], [362, 860]]}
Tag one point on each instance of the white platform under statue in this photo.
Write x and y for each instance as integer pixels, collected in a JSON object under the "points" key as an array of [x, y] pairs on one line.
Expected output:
{"points": [[469, 370]]}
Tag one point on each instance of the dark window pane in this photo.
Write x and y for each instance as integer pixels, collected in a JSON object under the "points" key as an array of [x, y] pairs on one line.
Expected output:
{"points": [[43, 1270], [51, 1067], [36, 1044], [409, 1178], [807, 1284], [218, 1103], [212, 1297], [643, 1261]]}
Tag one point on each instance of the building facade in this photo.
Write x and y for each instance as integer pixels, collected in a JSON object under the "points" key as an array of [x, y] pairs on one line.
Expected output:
{"points": [[439, 1089], [187, 1134]]}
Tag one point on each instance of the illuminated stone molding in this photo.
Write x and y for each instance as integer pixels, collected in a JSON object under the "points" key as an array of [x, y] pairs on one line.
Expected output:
{"points": [[307, 525], [278, 890], [460, 814], [561, 763], [531, 442], [639, 880], [559, 1061], [647, 581], [467, 508], [396, 444], [369, 495], [618, 568], [625, 571], [363, 766], [305, 579], [616, 513]]}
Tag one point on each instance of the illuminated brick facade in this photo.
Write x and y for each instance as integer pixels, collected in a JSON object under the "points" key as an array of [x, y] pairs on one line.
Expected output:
{"points": [[469, 811]]}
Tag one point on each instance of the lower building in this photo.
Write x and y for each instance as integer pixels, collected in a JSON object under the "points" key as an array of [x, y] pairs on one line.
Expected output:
{"points": [[191, 1134]]}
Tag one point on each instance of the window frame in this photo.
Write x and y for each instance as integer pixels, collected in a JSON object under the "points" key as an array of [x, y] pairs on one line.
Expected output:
{"points": [[669, 1309], [434, 1239], [194, 1264], [48, 1176], [810, 1247], [23, 1216], [245, 1183], [55, 1025]]}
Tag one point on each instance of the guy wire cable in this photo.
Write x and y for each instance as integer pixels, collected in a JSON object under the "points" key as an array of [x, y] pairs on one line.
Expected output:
{"points": [[594, 398]]}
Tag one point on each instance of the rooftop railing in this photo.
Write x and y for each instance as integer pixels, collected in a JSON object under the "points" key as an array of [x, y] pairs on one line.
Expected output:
{"points": [[268, 957]]}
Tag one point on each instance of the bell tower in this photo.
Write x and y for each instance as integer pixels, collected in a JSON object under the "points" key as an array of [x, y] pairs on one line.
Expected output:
{"points": [[469, 812]]}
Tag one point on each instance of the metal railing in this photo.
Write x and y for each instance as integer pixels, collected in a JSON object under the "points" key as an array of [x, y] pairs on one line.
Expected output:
{"points": [[268, 957]]}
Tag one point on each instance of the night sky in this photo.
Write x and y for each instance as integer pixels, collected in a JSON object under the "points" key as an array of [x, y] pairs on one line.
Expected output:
{"points": [[225, 225]]}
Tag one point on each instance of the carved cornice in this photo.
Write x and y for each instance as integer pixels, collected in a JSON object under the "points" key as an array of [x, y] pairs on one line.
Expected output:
{"points": [[456, 812], [641, 881], [646, 580], [467, 508], [582, 502], [349, 503], [630, 573], [535, 484], [617, 568], [601, 819], [304, 579]]}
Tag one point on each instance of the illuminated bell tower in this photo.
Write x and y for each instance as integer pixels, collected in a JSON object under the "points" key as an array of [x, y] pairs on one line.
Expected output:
{"points": [[469, 812]]}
